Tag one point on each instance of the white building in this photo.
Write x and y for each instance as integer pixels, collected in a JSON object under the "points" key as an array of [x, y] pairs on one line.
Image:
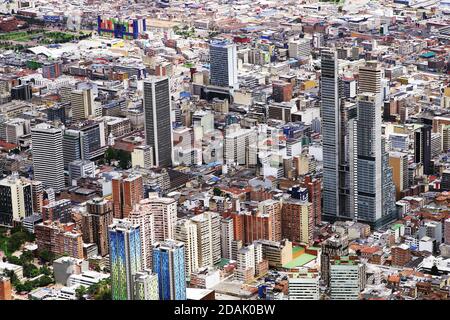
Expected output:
{"points": [[303, 286], [48, 164], [347, 279], [186, 232], [208, 238]]}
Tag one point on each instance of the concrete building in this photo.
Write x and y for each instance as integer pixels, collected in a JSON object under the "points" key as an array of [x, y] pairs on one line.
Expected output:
{"points": [[126, 193], [95, 223], [208, 239], [186, 232], [347, 278], [15, 200], [303, 286], [142, 216], [48, 164]]}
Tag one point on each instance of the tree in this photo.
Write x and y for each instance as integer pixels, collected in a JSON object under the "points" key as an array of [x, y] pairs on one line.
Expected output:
{"points": [[45, 281], [110, 154], [80, 292], [46, 256], [45, 271]]}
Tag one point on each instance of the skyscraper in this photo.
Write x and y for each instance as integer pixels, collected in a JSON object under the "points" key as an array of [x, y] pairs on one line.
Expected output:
{"points": [[369, 207], [168, 264], [375, 202], [125, 258], [48, 164], [333, 202], [157, 123], [223, 64]]}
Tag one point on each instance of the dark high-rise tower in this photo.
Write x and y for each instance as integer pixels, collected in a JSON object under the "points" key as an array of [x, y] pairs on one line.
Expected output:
{"points": [[158, 124]]}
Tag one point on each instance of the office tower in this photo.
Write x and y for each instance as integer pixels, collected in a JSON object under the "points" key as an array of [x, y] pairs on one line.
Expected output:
{"points": [[297, 221], [375, 202], [126, 192], [57, 112], [336, 245], [208, 238], [93, 142], [142, 216], [74, 147], [5, 288], [22, 92], [157, 123], [142, 156], [422, 148], [48, 164], [15, 200], [59, 239], [336, 200], [37, 191], [347, 278], [168, 264], [237, 146], [272, 208], [399, 164], [369, 205], [145, 286], [125, 258], [303, 286], [223, 64], [80, 169], [186, 232], [95, 223], [60, 210], [226, 237], [165, 215], [83, 105]]}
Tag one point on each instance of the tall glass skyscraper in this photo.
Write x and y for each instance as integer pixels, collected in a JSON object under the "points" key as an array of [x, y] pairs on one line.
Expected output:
{"points": [[125, 258], [157, 123], [223, 64], [336, 142], [168, 264]]}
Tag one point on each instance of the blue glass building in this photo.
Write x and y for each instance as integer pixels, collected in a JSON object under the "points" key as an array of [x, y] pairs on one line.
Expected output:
{"points": [[168, 264], [125, 258]]}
